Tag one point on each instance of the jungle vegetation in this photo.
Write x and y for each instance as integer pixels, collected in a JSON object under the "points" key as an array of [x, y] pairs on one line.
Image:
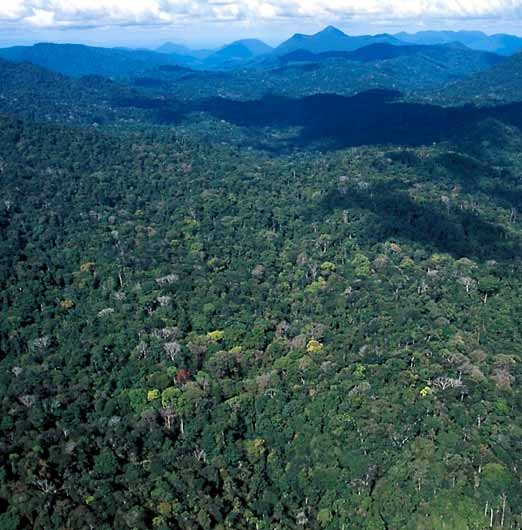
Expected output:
{"points": [[273, 314]]}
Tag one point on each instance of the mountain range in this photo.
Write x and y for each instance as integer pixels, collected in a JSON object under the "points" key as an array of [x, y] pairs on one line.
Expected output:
{"points": [[302, 73], [477, 40], [332, 62], [77, 60], [331, 39]]}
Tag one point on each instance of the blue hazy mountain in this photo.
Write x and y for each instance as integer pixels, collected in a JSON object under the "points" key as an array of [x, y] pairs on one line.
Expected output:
{"points": [[499, 43], [77, 60], [180, 49], [331, 39], [237, 52]]}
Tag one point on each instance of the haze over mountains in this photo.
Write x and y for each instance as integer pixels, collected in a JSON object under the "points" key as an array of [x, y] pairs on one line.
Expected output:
{"points": [[77, 60], [441, 69], [499, 43], [448, 68], [114, 85], [331, 39]]}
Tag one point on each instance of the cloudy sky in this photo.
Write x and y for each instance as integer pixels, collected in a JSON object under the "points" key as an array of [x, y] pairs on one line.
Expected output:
{"points": [[213, 22]]}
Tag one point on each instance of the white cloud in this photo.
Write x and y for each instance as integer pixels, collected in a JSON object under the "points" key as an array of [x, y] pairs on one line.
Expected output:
{"points": [[95, 13], [13, 10]]}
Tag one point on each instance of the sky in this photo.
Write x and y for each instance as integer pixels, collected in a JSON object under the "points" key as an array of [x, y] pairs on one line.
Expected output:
{"points": [[210, 23]]}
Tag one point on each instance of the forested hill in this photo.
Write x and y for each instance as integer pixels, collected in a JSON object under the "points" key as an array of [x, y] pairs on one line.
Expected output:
{"points": [[41, 94], [452, 56], [303, 74], [501, 84], [78, 60], [37, 93]]}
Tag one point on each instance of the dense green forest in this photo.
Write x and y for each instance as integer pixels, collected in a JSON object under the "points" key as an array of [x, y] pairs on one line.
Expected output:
{"points": [[271, 314], [501, 84], [405, 68]]}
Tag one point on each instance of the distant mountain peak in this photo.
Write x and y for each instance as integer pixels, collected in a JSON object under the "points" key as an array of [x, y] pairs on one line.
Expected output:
{"points": [[331, 39], [332, 31], [254, 45], [181, 49], [237, 52], [249, 42]]}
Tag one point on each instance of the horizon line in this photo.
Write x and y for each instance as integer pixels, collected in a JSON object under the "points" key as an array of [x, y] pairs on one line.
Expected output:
{"points": [[152, 45]]}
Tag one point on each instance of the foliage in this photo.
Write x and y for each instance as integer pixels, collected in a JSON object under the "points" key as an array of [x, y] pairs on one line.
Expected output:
{"points": [[195, 333]]}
